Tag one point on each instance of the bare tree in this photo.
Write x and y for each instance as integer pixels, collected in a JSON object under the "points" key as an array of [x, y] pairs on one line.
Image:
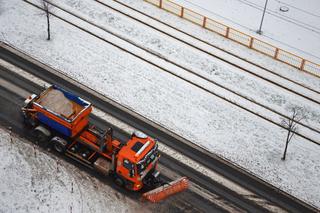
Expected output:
{"points": [[291, 124], [46, 10]]}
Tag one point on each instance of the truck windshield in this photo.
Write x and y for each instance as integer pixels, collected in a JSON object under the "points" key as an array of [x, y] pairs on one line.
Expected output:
{"points": [[150, 156]]}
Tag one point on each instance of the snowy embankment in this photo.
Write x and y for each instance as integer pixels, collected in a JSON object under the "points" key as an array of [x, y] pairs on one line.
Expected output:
{"points": [[201, 63], [218, 126], [136, 12], [34, 181]]}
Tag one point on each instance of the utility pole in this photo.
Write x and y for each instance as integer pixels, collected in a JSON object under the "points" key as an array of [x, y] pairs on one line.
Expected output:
{"points": [[264, 11]]}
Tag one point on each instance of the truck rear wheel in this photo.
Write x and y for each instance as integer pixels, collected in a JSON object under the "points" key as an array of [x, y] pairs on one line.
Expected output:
{"points": [[42, 134], [59, 144], [42, 138]]}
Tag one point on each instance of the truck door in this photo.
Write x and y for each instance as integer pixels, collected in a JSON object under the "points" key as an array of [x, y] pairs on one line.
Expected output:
{"points": [[129, 168]]}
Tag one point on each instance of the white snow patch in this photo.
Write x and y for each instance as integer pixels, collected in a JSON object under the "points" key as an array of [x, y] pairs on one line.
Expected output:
{"points": [[35, 181]]}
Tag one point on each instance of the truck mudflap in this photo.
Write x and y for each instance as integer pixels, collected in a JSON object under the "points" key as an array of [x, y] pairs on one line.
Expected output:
{"points": [[166, 190]]}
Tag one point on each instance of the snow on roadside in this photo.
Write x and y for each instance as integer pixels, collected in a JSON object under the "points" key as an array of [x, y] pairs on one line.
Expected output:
{"points": [[219, 127], [33, 181]]}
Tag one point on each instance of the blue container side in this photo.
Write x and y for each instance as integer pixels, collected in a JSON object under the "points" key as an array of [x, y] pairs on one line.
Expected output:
{"points": [[54, 125], [73, 97]]}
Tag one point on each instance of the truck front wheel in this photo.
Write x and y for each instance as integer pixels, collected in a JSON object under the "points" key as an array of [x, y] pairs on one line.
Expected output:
{"points": [[119, 181]]}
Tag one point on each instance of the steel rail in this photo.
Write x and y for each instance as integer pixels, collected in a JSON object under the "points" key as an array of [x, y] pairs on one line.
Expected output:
{"points": [[186, 69]]}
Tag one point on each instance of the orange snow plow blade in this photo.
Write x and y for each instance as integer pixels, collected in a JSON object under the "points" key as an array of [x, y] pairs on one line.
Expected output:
{"points": [[166, 190]]}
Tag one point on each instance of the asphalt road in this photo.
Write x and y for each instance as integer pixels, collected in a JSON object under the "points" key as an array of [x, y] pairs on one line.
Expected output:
{"points": [[10, 105]]}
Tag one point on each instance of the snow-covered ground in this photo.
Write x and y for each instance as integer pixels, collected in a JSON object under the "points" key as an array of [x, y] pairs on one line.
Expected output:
{"points": [[34, 181], [221, 42], [297, 30], [218, 126]]}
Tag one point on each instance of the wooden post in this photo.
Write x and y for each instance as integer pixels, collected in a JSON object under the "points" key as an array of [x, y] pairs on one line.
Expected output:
{"points": [[204, 21], [160, 3], [251, 42], [182, 11], [227, 32], [303, 62], [276, 53]]}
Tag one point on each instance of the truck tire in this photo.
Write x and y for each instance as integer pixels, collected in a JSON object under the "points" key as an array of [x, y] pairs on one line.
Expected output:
{"points": [[42, 134], [118, 181], [59, 144]]}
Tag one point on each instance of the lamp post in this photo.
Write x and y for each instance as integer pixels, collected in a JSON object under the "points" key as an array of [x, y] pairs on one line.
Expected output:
{"points": [[264, 11]]}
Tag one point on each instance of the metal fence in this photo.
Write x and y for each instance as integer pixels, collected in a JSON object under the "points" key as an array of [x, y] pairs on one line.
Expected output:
{"points": [[239, 37]]}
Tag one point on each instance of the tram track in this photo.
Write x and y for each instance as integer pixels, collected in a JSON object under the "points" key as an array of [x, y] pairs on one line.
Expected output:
{"points": [[266, 112], [103, 2]]}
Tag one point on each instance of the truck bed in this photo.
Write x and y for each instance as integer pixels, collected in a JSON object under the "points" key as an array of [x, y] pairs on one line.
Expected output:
{"points": [[57, 102], [62, 110]]}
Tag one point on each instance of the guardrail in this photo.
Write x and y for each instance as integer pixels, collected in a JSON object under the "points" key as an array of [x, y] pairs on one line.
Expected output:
{"points": [[239, 37]]}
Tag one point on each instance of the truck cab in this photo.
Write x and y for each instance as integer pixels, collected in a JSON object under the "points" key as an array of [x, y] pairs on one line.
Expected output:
{"points": [[137, 161]]}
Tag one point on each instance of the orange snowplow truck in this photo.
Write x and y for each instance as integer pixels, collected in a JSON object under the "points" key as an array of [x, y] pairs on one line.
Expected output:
{"points": [[61, 119]]}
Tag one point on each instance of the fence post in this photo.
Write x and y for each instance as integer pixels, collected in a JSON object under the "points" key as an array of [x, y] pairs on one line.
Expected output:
{"points": [[182, 11], [303, 62], [204, 21], [160, 3], [227, 32], [251, 42], [276, 53]]}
